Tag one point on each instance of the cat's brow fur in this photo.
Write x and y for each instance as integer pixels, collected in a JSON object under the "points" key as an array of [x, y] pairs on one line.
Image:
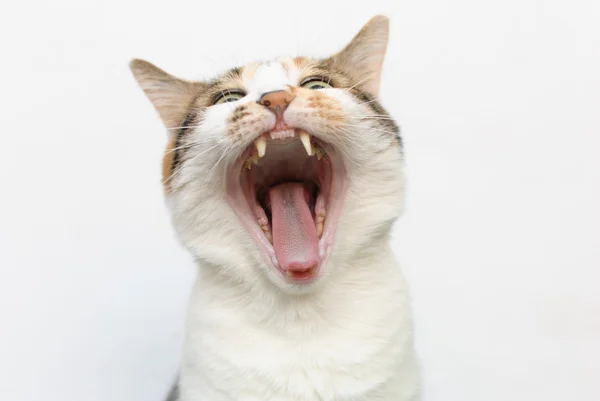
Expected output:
{"points": [[251, 335]]}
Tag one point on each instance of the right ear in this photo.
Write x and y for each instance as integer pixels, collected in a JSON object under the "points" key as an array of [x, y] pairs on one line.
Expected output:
{"points": [[363, 56], [170, 96]]}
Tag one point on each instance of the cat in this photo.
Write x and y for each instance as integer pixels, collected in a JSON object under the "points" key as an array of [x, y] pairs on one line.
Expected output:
{"points": [[283, 179]]}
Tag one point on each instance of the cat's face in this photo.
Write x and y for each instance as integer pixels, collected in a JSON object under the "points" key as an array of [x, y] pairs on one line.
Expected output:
{"points": [[281, 171]]}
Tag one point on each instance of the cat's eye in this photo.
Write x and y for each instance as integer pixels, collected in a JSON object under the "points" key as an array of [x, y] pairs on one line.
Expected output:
{"points": [[229, 96], [315, 83]]}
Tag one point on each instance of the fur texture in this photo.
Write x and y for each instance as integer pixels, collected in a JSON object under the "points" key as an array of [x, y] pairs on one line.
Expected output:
{"points": [[252, 335]]}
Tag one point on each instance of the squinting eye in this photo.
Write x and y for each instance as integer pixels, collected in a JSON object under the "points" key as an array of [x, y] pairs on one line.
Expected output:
{"points": [[314, 84], [229, 96]]}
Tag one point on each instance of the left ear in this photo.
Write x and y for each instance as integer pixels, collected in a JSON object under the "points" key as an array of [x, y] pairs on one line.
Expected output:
{"points": [[170, 96], [363, 57]]}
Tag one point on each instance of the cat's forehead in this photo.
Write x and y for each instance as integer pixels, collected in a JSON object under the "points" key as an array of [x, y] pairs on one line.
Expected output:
{"points": [[271, 75]]}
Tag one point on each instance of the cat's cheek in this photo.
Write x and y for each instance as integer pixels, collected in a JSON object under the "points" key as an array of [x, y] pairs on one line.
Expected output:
{"points": [[214, 121], [347, 103], [318, 114], [247, 122]]}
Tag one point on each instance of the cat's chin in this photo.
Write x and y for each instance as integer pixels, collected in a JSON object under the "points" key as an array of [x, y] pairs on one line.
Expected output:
{"points": [[287, 189]]}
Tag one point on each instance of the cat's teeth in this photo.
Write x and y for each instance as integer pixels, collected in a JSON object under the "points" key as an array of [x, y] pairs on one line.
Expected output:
{"points": [[320, 222], [305, 138], [261, 146], [268, 234], [288, 133], [320, 153], [321, 213], [319, 227], [251, 160], [321, 216], [263, 223]]}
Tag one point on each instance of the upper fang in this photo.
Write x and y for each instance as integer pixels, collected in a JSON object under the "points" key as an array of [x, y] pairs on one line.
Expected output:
{"points": [[305, 138], [261, 146]]}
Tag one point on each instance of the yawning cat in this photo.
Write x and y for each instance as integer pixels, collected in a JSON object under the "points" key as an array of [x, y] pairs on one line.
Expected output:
{"points": [[283, 179]]}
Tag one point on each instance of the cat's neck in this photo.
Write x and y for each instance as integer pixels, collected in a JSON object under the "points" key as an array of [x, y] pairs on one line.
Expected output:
{"points": [[350, 289]]}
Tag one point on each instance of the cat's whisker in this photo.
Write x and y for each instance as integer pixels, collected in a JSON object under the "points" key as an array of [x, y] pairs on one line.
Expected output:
{"points": [[369, 128], [177, 171], [198, 110], [373, 117], [369, 101], [216, 165], [182, 127], [349, 132], [356, 84], [191, 145], [361, 145]]}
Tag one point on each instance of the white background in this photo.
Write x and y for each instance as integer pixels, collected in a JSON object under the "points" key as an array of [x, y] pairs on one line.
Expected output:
{"points": [[499, 102]]}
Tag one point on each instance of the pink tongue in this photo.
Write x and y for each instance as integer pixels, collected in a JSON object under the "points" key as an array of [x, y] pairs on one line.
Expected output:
{"points": [[294, 233]]}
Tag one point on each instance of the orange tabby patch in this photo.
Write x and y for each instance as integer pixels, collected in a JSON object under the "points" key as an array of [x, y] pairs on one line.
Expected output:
{"points": [[325, 106], [248, 72]]}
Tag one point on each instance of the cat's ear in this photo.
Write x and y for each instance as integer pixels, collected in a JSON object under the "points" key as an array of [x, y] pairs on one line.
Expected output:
{"points": [[170, 96], [363, 56]]}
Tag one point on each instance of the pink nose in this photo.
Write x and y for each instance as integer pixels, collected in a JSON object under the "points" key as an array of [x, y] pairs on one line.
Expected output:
{"points": [[277, 101]]}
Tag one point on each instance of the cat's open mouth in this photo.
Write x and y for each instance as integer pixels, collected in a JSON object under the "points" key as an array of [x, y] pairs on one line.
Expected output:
{"points": [[287, 188]]}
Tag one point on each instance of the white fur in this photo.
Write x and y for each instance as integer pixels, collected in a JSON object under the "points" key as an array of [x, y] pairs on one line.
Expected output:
{"points": [[270, 77], [252, 337]]}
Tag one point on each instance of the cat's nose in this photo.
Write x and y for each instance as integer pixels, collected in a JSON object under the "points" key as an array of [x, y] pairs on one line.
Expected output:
{"points": [[277, 101]]}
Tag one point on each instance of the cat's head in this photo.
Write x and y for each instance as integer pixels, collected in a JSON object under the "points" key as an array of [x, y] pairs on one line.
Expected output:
{"points": [[284, 171]]}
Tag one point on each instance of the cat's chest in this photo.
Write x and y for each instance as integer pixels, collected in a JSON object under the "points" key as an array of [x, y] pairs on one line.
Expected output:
{"points": [[249, 346], [330, 362]]}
